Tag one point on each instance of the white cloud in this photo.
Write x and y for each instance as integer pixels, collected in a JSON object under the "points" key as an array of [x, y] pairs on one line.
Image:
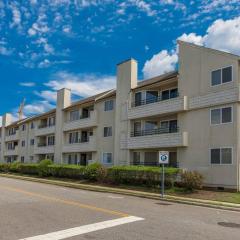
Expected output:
{"points": [[44, 64], [5, 51], [143, 6], [37, 107], [192, 38], [50, 96], [27, 84], [16, 16], [160, 63], [0, 121], [224, 35], [221, 35], [82, 84]]}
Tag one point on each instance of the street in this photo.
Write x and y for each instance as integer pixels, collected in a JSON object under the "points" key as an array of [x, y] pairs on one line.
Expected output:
{"points": [[35, 211]]}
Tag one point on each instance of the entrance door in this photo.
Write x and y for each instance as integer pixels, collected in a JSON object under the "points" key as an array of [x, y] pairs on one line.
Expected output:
{"points": [[83, 159]]}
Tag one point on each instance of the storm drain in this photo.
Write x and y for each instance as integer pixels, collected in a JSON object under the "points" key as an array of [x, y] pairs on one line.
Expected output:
{"points": [[229, 224]]}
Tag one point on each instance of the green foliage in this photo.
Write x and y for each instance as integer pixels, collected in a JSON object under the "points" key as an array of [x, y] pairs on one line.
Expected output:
{"points": [[141, 175], [15, 167], [191, 180], [92, 170], [5, 167], [66, 171], [43, 167], [128, 175]]}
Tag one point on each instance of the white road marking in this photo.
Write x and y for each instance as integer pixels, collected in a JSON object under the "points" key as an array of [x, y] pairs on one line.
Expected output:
{"points": [[71, 232]]}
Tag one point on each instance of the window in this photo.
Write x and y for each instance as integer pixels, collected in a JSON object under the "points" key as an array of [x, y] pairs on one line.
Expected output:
{"points": [[32, 142], [23, 127], [31, 158], [74, 115], [221, 156], [167, 94], [221, 76], [51, 121], [138, 99], [51, 140], [151, 96], [22, 159], [107, 158], [73, 137], [23, 143], [107, 132], [221, 115], [32, 125], [169, 126], [108, 105]]}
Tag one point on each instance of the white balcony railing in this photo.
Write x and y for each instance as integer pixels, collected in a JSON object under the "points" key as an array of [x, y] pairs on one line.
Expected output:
{"points": [[11, 152], [41, 149], [89, 146], [90, 121], [165, 140], [12, 137], [172, 105], [45, 130]]}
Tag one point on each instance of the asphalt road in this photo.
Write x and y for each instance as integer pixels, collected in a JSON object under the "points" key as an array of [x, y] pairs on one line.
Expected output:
{"points": [[31, 210]]}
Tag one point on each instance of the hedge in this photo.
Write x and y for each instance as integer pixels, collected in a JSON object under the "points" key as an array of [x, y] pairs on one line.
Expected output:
{"points": [[130, 175]]}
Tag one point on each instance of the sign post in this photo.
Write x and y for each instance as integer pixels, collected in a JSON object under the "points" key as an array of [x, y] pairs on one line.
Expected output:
{"points": [[163, 159]]}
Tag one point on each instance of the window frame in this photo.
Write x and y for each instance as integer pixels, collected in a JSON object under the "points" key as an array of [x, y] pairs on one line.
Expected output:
{"points": [[221, 164], [222, 76], [107, 127], [214, 124], [107, 104], [111, 158]]}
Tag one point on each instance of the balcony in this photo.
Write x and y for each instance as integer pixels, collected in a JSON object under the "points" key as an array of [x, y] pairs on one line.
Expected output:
{"points": [[43, 148], [11, 152], [157, 106], [89, 145], [156, 138], [45, 130], [12, 137], [82, 122]]}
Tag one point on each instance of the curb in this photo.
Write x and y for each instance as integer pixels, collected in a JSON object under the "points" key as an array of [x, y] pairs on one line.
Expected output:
{"points": [[168, 198]]}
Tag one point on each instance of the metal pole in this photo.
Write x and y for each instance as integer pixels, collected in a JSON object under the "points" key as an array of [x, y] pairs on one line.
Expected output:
{"points": [[162, 183]]}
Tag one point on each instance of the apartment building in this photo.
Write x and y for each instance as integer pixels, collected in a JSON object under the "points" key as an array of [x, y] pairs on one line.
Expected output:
{"points": [[193, 113]]}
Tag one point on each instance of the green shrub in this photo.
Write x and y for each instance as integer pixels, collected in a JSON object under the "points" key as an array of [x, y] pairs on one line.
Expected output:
{"points": [[92, 170], [4, 167], [15, 167], [141, 175], [43, 167], [31, 168], [66, 171], [191, 180]]}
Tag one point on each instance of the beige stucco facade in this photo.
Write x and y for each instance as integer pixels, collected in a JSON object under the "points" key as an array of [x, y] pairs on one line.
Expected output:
{"points": [[130, 125]]}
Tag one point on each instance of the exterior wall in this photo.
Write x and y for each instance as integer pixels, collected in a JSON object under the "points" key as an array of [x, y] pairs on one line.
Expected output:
{"points": [[195, 82], [105, 119]]}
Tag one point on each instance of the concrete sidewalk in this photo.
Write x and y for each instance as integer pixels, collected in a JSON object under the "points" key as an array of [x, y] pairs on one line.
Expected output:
{"points": [[96, 188]]}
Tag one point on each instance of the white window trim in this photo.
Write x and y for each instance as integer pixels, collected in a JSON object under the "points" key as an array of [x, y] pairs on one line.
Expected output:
{"points": [[103, 131], [221, 164], [221, 76], [221, 123], [111, 155], [109, 101]]}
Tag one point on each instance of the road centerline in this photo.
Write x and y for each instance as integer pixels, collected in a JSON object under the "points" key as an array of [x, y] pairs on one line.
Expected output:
{"points": [[76, 231], [66, 202]]}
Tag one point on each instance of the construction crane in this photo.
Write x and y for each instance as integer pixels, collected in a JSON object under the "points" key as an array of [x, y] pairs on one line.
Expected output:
{"points": [[20, 109]]}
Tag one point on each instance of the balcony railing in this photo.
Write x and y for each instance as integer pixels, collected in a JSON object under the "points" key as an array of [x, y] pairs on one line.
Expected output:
{"points": [[79, 118], [152, 100], [156, 131], [45, 145], [45, 126], [81, 140]]}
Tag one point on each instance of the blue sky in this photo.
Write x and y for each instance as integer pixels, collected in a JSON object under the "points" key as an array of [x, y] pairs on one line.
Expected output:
{"points": [[49, 44]]}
